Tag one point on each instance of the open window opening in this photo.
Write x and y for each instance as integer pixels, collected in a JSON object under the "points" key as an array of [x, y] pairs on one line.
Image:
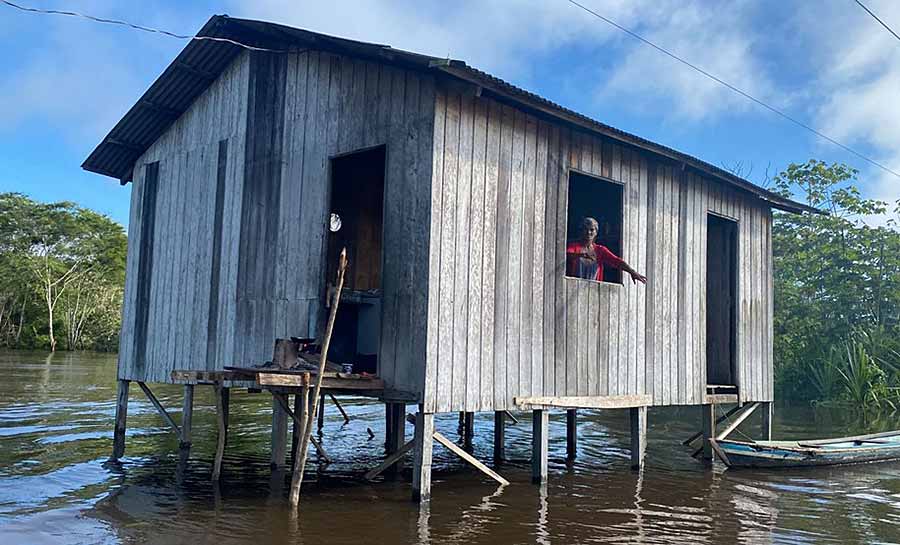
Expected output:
{"points": [[595, 213], [356, 222], [721, 310]]}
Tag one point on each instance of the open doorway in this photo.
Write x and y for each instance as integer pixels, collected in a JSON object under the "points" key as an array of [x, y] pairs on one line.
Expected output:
{"points": [[356, 222], [721, 299]]}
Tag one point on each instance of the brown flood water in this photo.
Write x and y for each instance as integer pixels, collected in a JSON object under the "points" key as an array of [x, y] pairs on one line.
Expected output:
{"points": [[55, 488]]}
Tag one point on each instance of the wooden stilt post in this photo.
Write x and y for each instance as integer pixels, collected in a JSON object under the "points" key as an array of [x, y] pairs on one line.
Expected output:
{"points": [[708, 427], [424, 443], [539, 445], [226, 408], [397, 432], [571, 434], [321, 413], [499, 435], [300, 463], [187, 416], [301, 402], [221, 421], [638, 436], [121, 418], [279, 431], [388, 426], [468, 429], [767, 414]]}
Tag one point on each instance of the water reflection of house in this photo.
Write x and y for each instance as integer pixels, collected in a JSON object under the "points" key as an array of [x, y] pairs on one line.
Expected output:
{"points": [[457, 193]]}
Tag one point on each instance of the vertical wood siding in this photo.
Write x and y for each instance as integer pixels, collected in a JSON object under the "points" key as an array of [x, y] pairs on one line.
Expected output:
{"points": [[179, 304], [282, 117], [503, 319]]}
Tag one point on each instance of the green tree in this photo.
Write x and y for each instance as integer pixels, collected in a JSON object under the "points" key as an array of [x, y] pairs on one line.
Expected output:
{"points": [[837, 277], [68, 257]]}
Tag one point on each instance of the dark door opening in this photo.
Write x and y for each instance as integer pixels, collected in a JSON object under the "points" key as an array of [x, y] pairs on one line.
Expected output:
{"points": [[721, 299], [356, 222]]}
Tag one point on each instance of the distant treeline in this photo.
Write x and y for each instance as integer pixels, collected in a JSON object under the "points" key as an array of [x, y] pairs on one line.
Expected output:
{"points": [[62, 272], [837, 292]]}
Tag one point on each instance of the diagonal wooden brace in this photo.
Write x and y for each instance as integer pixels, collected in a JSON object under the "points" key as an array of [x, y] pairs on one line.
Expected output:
{"points": [[299, 422], [162, 410], [452, 447], [390, 460]]}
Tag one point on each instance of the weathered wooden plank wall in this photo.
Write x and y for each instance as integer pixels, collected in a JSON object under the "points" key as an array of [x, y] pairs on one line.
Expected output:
{"points": [[334, 105], [504, 321], [254, 150], [190, 177]]}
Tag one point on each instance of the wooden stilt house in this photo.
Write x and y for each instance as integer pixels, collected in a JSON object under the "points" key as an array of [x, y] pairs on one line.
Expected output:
{"points": [[456, 195]]}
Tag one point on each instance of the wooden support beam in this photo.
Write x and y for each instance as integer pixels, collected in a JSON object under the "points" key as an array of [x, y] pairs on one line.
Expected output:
{"points": [[748, 410], [396, 432], [540, 425], [511, 417], [202, 74], [708, 427], [187, 416], [301, 404], [321, 413], [226, 407], [424, 441], [221, 417], [571, 434], [161, 410], [279, 430], [391, 460], [297, 421], [767, 415], [121, 418], [162, 110], [638, 436], [468, 429], [455, 449], [719, 420], [499, 435], [388, 426], [304, 421], [130, 146], [586, 402], [339, 408]]}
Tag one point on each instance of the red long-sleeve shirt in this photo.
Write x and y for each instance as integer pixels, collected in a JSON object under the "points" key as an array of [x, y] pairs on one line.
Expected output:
{"points": [[604, 257]]}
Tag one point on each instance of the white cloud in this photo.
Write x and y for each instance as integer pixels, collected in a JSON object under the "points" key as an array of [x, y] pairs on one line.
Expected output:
{"points": [[720, 42], [860, 88]]}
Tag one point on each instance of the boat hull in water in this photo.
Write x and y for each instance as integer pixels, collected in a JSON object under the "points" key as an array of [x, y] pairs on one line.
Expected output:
{"points": [[861, 449]]}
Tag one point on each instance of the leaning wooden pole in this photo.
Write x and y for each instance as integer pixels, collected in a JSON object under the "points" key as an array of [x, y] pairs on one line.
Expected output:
{"points": [[300, 459]]}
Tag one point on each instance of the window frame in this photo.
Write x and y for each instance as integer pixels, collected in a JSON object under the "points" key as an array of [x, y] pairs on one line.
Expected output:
{"points": [[622, 187]]}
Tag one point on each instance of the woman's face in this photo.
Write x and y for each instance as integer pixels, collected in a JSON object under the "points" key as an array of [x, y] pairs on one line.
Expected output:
{"points": [[590, 232]]}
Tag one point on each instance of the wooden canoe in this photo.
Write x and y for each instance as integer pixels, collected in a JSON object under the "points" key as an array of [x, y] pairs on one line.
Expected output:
{"points": [[859, 449]]}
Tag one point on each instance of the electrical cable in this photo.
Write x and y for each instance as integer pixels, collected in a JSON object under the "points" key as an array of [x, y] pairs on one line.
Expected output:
{"points": [[735, 89], [138, 27], [889, 29]]}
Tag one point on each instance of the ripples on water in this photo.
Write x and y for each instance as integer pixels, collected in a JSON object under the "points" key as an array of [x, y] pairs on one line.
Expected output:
{"points": [[56, 487]]}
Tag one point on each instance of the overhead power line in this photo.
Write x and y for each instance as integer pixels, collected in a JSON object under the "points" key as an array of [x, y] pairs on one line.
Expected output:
{"points": [[744, 94], [889, 29], [137, 27]]}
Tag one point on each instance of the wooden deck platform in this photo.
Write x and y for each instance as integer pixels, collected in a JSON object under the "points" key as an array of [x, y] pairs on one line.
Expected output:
{"points": [[282, 380]]}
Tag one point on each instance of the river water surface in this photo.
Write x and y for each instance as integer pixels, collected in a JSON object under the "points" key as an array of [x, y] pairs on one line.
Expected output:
{"points": [[56, 417]]}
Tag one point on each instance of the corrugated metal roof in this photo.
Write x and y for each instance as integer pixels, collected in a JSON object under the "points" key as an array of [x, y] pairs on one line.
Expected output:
{"points": [[201, 61]]}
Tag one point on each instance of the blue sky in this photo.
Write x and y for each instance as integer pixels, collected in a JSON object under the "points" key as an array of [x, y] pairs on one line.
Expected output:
{"points": [[66, 81]]}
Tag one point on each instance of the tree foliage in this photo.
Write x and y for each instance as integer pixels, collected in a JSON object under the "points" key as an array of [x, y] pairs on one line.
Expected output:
{"points": [[837, 290], [62, 269]]}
